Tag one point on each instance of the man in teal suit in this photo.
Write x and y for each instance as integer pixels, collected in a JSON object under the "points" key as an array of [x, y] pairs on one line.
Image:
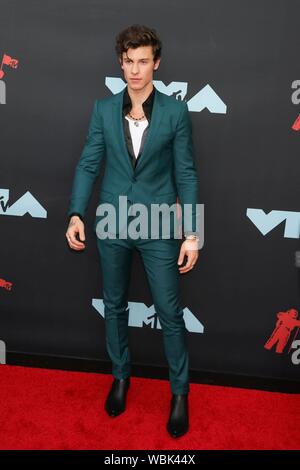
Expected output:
{"points": [[161, 171]]}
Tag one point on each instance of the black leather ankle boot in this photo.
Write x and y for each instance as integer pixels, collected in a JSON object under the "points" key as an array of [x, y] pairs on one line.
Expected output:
{"points": [[178, 423], [116, 400]]}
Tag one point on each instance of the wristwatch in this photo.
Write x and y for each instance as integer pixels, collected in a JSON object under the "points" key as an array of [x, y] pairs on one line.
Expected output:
{"points": [[192, 237]]}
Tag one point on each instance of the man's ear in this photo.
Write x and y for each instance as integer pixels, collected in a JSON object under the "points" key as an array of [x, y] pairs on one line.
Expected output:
{"points": [[121, 62], [156, 64]]}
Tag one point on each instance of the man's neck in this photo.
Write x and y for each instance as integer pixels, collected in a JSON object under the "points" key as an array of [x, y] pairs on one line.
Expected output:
{"points": [[139, 96]]}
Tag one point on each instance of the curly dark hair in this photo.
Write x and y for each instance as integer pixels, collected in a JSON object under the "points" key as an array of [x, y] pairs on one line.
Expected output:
{"points": [[135, 36]]}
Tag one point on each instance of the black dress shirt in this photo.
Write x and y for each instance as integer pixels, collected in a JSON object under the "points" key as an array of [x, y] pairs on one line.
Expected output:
{"points": [[147, 108]]}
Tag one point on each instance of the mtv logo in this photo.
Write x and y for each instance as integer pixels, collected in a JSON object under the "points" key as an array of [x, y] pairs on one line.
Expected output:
{"points": [[205, 98], [26, 204], [267, 222], [142, 316]]}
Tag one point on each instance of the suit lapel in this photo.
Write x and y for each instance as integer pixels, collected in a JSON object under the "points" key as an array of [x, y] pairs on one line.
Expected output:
{"points": [[152, 135]]}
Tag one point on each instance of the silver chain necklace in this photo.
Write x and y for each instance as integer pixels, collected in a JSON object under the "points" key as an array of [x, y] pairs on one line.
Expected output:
{"points": [[136, 123]]}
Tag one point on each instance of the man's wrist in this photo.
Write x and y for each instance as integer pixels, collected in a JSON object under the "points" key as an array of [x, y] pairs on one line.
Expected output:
{"points": [[76, 214]]}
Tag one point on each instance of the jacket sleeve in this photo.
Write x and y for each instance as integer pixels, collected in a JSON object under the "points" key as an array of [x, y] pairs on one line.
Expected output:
{"points": [[88, 166], [186, 176]]}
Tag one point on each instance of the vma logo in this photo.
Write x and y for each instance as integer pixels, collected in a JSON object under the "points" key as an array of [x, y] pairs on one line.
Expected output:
{"points": [[9, 62], [267, 222], [27, 204], [206, 98], [141, 316], [286, 329]]}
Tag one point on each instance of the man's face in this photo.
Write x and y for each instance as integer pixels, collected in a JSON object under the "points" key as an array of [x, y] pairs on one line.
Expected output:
{"points": [[138, 64]]}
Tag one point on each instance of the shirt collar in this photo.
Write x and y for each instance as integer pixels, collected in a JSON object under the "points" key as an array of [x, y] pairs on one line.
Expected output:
{"points": [[147, 104]]}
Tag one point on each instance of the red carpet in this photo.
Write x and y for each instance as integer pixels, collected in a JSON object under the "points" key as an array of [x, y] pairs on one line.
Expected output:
{"points": [[54, 409]]}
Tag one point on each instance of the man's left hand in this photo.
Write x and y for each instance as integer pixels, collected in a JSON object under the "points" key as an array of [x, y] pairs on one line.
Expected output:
{"points": [[189, 248]]}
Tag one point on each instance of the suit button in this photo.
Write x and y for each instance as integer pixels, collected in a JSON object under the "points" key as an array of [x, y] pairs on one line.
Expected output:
{"points": [[133, 179]]}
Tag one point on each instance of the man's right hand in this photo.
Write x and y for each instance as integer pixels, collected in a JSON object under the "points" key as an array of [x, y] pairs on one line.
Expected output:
{"points": [[76, 226]]}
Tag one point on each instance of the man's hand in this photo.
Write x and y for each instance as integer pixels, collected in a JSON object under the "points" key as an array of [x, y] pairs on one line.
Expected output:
{"points": [[190, 249], [76, 226]]}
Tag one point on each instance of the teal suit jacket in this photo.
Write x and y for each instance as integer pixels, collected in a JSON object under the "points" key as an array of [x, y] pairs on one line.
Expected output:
{"points": [[164, 173]]}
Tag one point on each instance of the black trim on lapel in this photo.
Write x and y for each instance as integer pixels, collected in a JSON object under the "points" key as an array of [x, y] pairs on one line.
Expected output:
{"points": [[117, 120]]}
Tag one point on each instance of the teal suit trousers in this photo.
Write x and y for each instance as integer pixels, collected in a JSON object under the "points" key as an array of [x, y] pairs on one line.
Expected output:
{"points": [[159, 258]]}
